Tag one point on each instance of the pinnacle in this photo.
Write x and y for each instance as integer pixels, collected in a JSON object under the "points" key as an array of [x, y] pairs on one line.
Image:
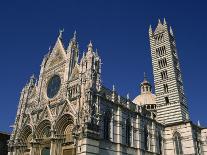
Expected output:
{"points": [[159, 22], [164, 22], [113, 88], [74, 35], [171, 31]]}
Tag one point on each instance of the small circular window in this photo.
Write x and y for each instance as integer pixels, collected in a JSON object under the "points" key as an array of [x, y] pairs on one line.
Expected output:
{"points": [[53, 86]]}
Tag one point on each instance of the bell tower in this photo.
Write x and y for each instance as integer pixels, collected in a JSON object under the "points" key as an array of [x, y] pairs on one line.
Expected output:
{"points": [[170, 98]]}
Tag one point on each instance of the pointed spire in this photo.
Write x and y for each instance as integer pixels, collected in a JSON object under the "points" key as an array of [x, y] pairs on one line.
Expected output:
{"points": [[127, 96], [198, 123], [171, 31], [90, 44], [150, 29], [32, 80], [74, 34], [60, 33], [164, 22], [159, 22], [90, 47], [96, 52], [113, 88], [49, 49]]}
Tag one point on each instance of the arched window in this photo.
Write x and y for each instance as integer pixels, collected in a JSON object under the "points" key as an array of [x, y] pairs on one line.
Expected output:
{"points": [[128, 131], [107, 128], [146, 134], [178, 144]]}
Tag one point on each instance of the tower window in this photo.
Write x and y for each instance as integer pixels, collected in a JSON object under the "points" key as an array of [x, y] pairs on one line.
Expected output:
{"points": [[164, 75], [165, 88], [167, 100], [161, 51], [159, 38], [162, 63]]}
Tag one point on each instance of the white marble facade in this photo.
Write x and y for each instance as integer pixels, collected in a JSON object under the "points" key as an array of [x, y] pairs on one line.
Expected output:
{"points": [[67, 110]]}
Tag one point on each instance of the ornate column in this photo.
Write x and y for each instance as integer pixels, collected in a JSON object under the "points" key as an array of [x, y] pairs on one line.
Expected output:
{"points": [[53, 147]]}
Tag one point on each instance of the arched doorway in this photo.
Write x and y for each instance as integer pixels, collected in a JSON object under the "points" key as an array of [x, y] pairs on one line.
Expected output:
{"points": [[45, 151], [64, 128], [25, 138], [43, 133]]}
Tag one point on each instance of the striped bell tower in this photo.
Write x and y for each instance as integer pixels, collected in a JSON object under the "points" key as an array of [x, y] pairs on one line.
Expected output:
{"points": [[170, 98]]}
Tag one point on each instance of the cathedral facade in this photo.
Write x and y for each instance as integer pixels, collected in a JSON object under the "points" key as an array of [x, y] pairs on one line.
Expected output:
{"points": [[68, 111]]}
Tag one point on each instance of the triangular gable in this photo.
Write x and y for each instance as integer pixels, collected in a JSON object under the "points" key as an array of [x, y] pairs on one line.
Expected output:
{"points": [[57, 55], [45, 114], [67, 108]]}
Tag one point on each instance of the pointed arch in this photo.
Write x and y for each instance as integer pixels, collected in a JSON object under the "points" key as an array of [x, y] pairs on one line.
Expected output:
{"points": [[64, 127], [26, 134], [177, 143], [63, 122], [43, 129]]}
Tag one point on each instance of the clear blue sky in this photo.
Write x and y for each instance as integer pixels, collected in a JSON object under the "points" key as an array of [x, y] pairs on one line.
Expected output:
{"points": [[118, 29]]}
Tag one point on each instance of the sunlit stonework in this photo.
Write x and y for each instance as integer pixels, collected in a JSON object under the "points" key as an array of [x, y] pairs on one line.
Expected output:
{"points": [[67, 110]]}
